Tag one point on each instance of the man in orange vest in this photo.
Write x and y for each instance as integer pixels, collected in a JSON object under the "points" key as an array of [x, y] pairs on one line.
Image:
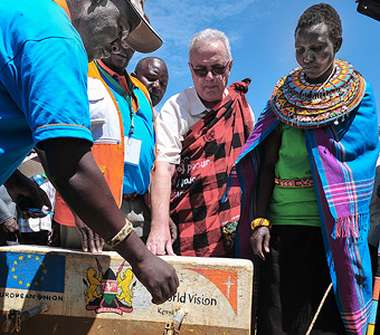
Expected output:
{"points": [[121, 116], [110, 88], [43, 103]]}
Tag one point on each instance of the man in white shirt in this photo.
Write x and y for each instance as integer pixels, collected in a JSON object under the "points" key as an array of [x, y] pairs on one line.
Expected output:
{"points": [[200, 132]]}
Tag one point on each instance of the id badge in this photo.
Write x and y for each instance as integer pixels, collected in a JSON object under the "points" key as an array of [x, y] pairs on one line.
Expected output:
{"points": [[132, 150]]}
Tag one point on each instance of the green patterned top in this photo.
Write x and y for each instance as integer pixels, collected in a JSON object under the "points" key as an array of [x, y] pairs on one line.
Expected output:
{"points": [[293, 205]]}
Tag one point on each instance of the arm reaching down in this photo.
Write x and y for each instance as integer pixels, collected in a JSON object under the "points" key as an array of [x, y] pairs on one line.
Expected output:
{"points": [[80, 182], [261, 235], [159, 240]]}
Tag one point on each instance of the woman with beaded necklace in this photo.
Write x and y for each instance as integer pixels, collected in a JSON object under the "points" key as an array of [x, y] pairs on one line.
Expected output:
{"points": [[306, 175]]}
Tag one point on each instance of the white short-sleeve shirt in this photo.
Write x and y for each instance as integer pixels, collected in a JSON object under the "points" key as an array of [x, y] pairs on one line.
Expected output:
{"points": [[179, 113]]}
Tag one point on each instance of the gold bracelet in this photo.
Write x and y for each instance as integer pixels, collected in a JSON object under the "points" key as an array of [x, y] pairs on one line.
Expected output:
{"points": [[121, 235], [260, 222]]}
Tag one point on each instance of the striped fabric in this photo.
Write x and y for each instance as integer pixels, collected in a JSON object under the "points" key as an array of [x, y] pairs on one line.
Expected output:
{"points": [[342, 160], [375, 298]]}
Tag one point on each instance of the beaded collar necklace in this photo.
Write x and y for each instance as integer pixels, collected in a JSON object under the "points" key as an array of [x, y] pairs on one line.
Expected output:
{"points": [[317, 100], [301, 104]]}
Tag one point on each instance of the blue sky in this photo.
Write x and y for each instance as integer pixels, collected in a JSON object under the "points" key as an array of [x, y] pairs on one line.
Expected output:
{"points": [[262, 39]]}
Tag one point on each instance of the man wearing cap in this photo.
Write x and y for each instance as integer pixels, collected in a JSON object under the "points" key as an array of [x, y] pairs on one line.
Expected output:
{"points": [[136, 109], [153, 73], [119, 103], [200, 132], [132, 101], [43, 103]]}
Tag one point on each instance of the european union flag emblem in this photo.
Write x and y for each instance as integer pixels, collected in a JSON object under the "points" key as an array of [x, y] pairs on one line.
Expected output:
{"points": [[37, 272]]}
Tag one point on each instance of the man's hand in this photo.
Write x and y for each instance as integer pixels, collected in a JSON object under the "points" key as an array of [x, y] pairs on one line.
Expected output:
{"points": [[80, 182], [9, 231], [158, 277], [260, 239], [28, 195], [10, 226], [91, 241], [159, 241]]}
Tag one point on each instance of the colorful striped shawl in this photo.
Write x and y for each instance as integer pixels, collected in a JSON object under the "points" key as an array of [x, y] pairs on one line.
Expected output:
{"points": [[342, 160]]}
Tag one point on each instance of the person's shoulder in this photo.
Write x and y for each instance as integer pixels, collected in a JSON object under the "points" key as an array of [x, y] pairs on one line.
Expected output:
{"points": [[278, 86], [187, 93], [363, 88], [185, 99], [37, 20], [139, 86], [368, 88], [180, 100], [177, 105], [171, 105]]}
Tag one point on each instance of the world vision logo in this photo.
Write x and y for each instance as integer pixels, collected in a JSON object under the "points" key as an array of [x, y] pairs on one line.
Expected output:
{"points": [[226, 281]]}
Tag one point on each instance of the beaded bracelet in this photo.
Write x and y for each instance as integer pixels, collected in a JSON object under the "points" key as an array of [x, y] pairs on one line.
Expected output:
{"points": [[121, 235], [260, 222]]}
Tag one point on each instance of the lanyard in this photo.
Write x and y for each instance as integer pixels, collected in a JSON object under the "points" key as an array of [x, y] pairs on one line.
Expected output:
{"points": [[120, 90]]}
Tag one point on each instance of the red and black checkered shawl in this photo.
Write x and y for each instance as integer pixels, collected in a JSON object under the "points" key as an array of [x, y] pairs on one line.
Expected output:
{"points": [[201, 201]]}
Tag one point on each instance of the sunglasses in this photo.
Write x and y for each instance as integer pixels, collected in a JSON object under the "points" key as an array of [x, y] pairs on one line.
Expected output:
{"points": [[216, 70]]}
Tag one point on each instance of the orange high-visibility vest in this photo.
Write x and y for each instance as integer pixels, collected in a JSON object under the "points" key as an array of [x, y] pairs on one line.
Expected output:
{"points": [[108, 154], [108, 149]]}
